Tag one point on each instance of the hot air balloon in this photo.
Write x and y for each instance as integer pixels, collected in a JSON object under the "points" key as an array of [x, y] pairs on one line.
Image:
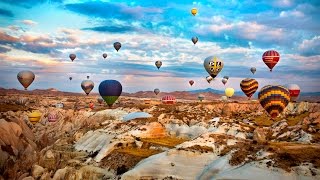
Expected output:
{"points": [[194, 11], [201, 97], [22, 101], [156, 91], [88, 77], [91, 105], [224, 81], [249, 86], [224, 98], [59, 105], [213, 65], [168, 99], [100, 100], [87, 86], [70, 78], [104, 55], [72, 57], [25, 78], [209, 79], [191, 82], [253, 70], [158, 64], [194, 40], [274, 99], [110, 90], [34, 117], [117, 46], [226, 77], [229, 92], [294, 90], [271, 58], [52, 117]]}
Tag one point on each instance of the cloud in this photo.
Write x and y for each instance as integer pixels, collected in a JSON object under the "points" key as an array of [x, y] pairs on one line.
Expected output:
{"points": [[283, 3], [29, 3], [5, 12], [5, 38], [310, 47], [111, 10], [115, 29], [4, 49], [29, 22]]}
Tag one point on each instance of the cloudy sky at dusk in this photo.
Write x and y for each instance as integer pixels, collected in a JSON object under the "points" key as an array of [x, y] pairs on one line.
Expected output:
{"points": [[39, 35]]}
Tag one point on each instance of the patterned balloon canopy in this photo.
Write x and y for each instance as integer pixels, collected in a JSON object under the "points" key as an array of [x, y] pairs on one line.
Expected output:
{"points": [[110, 90], [249, 86], [271, 58], [274, 99]]}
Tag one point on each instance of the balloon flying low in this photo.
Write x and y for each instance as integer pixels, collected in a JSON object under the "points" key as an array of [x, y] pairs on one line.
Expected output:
{"points": [[110, 90], [213, 65], [156, 91], [117, 46], [72, 57], [271, 58], [87, 86], [26, 78], [294, 90], [229, 92], [249, 86], [201, 97], [274, 99]]}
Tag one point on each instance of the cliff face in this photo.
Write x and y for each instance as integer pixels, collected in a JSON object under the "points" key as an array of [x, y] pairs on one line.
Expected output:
{"points": [[188, 140]]}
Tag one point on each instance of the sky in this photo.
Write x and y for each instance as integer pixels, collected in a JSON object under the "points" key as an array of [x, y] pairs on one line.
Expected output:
{"points": [[39, 35]]}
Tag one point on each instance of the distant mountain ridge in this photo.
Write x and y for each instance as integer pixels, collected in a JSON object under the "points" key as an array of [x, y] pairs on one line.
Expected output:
{"points": [[209, 93]]}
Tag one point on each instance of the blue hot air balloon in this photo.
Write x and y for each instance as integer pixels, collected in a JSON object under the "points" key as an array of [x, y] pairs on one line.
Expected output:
{"points": [[110, 90]]}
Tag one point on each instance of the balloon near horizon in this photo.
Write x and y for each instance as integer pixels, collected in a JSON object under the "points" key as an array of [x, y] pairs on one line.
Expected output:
{"points": [[110, 90]]}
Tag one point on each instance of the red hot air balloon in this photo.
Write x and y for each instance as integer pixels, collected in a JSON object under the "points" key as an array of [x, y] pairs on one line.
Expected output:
{"points": [[271, 58], [168, 100], [294, 90], [191, 82], [52, 117]]}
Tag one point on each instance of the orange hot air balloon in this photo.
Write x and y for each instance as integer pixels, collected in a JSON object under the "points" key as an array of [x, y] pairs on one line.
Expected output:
{"points": [[249, 86], [271, 58], [194, 11]]}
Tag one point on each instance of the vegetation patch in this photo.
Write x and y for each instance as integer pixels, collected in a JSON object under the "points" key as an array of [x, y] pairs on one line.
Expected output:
{"points": [[169, 142]]}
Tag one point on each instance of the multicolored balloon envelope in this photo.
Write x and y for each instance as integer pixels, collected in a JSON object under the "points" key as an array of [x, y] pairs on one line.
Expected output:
{"points": [[294, 90], [274, 99], [87, 86], [213, 65], [110, 90], [271, 58], [249, 86], [224, 81], [209, 79], [25, 78], [201, 97]]}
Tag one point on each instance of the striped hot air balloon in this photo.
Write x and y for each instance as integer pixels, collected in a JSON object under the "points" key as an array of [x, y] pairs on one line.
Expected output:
{"points": [[294, 90], [271, 58], [34, 117], [169, 100], [52, 117], [274, 99], [249, 86]]}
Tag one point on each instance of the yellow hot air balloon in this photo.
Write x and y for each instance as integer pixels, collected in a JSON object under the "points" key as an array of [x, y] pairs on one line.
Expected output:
{"points": [[34, 117], [229, 92], [194, 11]]}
